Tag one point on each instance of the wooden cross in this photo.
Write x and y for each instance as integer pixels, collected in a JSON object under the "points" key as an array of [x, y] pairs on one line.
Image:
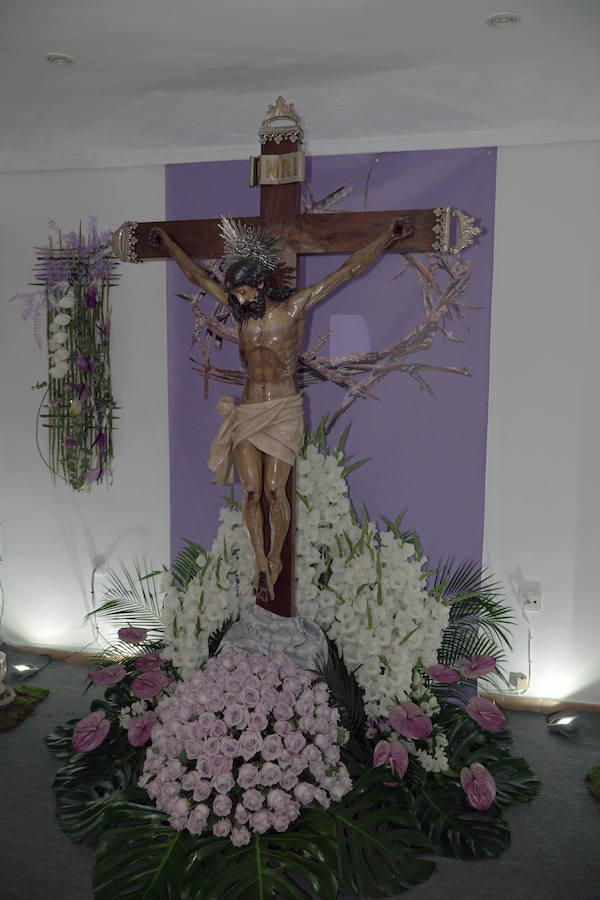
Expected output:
{"points": [[340, 232]]}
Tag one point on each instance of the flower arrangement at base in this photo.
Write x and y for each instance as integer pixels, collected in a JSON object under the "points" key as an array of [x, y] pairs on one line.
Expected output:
{"points": [[242, 745], [208, 774], [75, 273]]}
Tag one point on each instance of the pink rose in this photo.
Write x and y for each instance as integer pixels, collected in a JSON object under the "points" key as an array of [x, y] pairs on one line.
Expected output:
{"points": [[289, 781], [252, 799], [219, 729], [222, 805], [206, 720], [304, 792], [139, 729], [212, 745], [443, 674], [148, 661], [392, 754], [132, 635], [198, 818], [236, 716], [479, 786], [281, 822], [202, 790], [277, 800], [250, 697], [257, 721], [294, 741], [220, 763], [486, 713], [283, 711], [283, 727], [108, 675], [240, 837], [90, 732], [260, 821], [247, 776], [271, 747], [228, 747], [223, 782], [250, 743], [410, 721], [241, 814], [269, 774], [479, 664], [148, 684], [222, 827]]}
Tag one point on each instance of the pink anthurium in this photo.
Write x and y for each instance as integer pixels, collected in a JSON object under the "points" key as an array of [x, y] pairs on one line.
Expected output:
{"points": [[486, 713], [479, 786], [132, 635], [148, 684], [90, 732], [479, 664], [393, 754], [443, 674], [410, 721], [108, 675]]}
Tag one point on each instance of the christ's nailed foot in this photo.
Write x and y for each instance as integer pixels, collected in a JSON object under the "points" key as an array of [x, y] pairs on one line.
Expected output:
{"points": [[275, 567], [263, 593]]}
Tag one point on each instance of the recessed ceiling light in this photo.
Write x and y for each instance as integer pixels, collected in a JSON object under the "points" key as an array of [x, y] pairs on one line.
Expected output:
{"points": [[503, 19], [59, 59]]}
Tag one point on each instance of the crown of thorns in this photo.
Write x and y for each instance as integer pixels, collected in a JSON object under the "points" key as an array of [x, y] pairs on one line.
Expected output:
{"points": [[245, 242]]}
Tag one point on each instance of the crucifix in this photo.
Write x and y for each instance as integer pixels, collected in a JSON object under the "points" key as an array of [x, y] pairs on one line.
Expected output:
{"points": [[264, 431]]}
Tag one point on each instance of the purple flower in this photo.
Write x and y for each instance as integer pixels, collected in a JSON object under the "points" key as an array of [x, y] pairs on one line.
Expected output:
{"points": [[148, 684], [222, 805], [249, 744], [272, 747], [443, 674], [202, 790], [223, 782], [83, 363], [410, 721], [222, 827], [247, 776], [240, 836], [81, 395], [252, 799], [486, 713], [91, 296], [393, 754], [68, 441], [294, 741], [94, 475], [100, 443], [108, 675], [479, 786], [139, 729], [479, 664], [148, 661], [260, 821], [236, 716], [269, 774], [304, 792], [132, 635], [90, 732]]}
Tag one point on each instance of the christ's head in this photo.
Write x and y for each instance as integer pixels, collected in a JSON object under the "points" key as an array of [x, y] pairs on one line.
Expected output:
{"points": [[248, 283]]}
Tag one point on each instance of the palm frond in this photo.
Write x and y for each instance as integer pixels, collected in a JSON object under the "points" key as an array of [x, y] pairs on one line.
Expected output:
{"points": [[185, 566], [132, 598]]}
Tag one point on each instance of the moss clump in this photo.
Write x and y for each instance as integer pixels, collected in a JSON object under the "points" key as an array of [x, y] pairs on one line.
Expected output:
{"points": [[24, 704], [593, 782]]}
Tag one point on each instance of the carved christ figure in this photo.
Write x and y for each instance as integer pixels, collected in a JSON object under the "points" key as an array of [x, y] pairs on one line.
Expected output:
{"points": [[264, 432]]}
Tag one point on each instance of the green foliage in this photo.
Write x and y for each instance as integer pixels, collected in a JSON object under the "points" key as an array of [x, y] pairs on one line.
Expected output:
{"points": [[297, 865], [347, 696], [379, 839], [593, 782], [26, 699], [139, 855], [215, 637], [90, 782], [479, 621], [184, 567], [469, 743], [132, 598]]}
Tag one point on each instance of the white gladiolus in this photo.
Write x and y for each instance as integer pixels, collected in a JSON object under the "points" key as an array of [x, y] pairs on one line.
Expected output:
{"points": [[375, 603]]}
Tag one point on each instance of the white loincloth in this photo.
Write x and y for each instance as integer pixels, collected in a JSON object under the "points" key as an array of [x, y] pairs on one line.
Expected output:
{"points": [[275, 427]]}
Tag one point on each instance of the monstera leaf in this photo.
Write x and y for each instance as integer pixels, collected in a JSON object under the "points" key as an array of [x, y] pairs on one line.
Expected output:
{"points": [[455, 829], [298, 865], [379, 839], [469, 743], [140, 855], [89, 782]]}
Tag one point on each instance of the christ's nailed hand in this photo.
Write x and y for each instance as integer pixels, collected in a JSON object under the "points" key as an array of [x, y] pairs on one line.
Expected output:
{"points": [[400, 228], [157, 236]]}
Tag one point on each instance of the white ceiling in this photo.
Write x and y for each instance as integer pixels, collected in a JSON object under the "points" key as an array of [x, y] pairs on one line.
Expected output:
{"points": [[160, 81]]}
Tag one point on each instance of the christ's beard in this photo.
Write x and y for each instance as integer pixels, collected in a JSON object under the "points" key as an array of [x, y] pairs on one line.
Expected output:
{"points": [[254, 309]]}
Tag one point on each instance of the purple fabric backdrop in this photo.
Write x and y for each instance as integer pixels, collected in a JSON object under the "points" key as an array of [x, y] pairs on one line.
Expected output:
{"points": [[427, 454]]}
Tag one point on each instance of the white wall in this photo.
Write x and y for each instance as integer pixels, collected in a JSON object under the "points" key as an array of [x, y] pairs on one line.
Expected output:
{"points": [[542, 495], [50, 534], [543, 486]]}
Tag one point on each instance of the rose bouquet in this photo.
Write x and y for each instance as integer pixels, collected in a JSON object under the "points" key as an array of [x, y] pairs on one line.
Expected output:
{"points": [[242, 745]]}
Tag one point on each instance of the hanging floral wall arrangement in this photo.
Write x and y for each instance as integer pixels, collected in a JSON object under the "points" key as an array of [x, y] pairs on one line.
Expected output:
{"points": [[75, 273]]}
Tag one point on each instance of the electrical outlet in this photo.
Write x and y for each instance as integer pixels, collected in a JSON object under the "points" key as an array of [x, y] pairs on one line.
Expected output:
{"points": [[532, 600], [519, 681]]}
